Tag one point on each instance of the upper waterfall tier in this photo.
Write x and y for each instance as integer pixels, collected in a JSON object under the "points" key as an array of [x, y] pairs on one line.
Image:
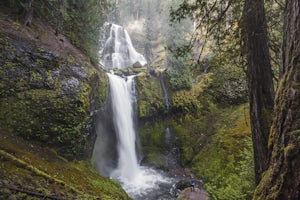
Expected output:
{"points": [[118, 50]]}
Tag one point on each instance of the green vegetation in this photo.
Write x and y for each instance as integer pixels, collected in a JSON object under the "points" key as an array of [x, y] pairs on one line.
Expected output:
{"points": [[43, 115], [81, 23], [216, 144], [26, 166], [150, 96], [214, 139], [48, 91], [226, 164], [46, 96], [152, 138], [79, 20], [179, 56], [228, 85], [179, 72], [191, 102], [216, 147]]}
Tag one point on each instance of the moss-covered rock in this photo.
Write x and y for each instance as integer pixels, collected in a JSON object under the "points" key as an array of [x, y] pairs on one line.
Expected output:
{"points": [[186, 117], [47, 95], [153, 143], [150, 102], [192, 102]]}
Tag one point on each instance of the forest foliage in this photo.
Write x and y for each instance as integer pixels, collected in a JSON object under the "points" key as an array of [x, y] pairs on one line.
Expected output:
{"points": [[238, 30], [79, 20]]}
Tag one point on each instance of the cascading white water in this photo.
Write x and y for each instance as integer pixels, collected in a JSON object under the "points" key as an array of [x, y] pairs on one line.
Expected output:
{"points": [[135, 179], [118, 50], [121, 91], [138, 181]]}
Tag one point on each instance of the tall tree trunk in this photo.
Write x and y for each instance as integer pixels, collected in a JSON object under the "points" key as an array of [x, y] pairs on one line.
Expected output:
{"points": [[282, 179], [260, 83], [28, 13]]}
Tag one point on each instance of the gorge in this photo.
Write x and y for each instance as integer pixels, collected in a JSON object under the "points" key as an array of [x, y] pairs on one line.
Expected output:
{"points": [[56, 106], [176, 94]]}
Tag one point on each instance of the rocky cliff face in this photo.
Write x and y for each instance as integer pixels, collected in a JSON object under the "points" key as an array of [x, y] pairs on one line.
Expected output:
{"points": [[49, 91]]}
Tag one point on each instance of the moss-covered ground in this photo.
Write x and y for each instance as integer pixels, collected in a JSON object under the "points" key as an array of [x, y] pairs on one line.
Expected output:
{"points": [[226, 162], [28, 169]]}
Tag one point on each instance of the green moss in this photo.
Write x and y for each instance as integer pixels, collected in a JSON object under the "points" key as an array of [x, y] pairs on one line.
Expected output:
{"points": [[28, 166], [184, 102], [23, 164], [289, 150], [186, 144], [84, 97], [260, 192], [103, 88], [43, 115], [34, 104], [191, 101], [35, 77], [226, 162], [295, 132], [143, 108], [157, 159], [267, 116], [152, 139], [150, 96]]}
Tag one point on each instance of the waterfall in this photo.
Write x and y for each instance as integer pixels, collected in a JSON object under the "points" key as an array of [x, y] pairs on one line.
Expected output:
{"points": [[137, 180], [122, 91], [118, 50], [115, 154]]}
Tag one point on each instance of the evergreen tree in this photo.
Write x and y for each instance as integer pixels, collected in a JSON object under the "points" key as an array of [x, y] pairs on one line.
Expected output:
{"points": [[149, 34], [260, 82], [281, 180], [178, 54], [79, 20]]}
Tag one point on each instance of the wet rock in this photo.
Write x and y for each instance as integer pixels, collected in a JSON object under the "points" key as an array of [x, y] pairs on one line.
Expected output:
{"points": [[182, 184], [79, 71], [70, 85], [49, 98], [137, 65]]}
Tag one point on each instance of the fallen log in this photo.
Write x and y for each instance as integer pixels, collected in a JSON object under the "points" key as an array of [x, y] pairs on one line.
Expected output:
{"points": [[32, 193]]}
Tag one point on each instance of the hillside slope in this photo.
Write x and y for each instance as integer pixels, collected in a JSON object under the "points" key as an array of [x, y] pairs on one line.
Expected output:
{"points": [[30, 171], [49, 91]]}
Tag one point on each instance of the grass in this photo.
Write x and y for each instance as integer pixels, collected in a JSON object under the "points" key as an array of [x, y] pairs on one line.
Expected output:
{"points": [[29, 166]]}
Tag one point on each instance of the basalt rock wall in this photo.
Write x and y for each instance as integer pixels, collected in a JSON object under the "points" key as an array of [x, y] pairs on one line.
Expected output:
{"points": [[49, 91]]}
